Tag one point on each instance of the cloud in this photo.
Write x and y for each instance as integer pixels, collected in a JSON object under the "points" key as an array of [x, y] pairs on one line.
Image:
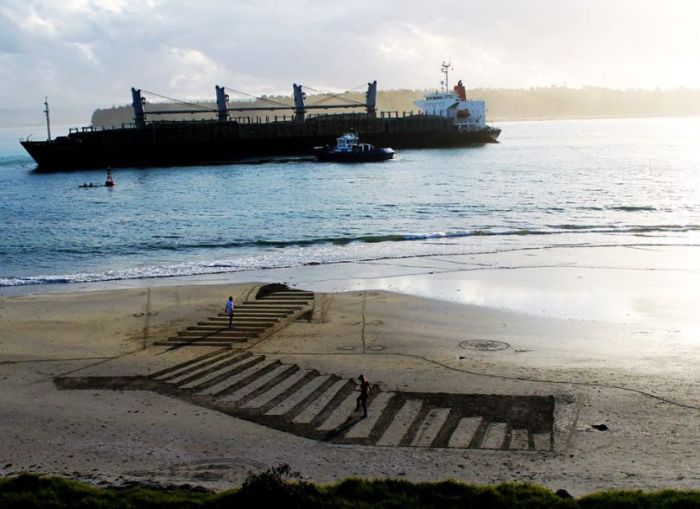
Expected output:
{"points": [[406, 44], [195, 70], [88, 53]]}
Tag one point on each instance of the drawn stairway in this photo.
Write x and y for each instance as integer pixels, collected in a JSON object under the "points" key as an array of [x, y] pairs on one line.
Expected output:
{"points": [[254, 319], [322, 406]]}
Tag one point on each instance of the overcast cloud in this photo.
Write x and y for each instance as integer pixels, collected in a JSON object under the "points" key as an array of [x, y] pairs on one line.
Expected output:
{"points": [[85, 54]]}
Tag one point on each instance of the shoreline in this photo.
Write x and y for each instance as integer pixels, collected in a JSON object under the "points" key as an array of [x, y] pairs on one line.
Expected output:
{"points": [[595, 117], [497, 246], [486, 263], [634, 373]]}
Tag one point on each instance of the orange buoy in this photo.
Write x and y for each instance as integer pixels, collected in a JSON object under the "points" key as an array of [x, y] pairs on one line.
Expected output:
{"points": [[110, 181]]}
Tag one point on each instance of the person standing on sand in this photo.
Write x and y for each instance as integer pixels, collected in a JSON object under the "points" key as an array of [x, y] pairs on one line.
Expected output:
{"points": [[365, 391], [229, 312]]}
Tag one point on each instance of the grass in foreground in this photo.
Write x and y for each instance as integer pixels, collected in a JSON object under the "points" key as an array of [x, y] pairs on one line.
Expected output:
{"points": [[280, 487]]}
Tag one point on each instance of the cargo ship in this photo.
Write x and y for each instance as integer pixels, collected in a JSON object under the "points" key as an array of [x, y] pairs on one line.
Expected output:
{"points": [[446, 119]]}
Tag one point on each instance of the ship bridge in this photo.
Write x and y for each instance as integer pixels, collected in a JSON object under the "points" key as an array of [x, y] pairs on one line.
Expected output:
{"points": [[453, 104]]}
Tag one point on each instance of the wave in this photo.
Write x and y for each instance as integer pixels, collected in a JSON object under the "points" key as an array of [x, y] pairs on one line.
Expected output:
{"points": [[634, 229], [149, 272], [633, 208], [15, 160], [337, 250], [170, 243], [485, 232], [622, 208]]}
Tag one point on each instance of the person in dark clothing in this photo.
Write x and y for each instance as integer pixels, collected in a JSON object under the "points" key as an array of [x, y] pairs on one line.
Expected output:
{"points": [[365, 391]]}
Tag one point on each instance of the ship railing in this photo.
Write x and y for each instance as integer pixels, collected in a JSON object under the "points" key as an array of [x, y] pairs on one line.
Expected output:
{"points": [[396, 114], [259, 119]]}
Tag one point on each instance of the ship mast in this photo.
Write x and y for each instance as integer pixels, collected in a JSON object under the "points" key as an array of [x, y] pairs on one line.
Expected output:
{"points": [[446, 72], [48, 121]]}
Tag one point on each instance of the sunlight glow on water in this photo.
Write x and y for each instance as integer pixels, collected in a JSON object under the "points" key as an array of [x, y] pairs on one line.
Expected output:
{"points": [[545, 183]]}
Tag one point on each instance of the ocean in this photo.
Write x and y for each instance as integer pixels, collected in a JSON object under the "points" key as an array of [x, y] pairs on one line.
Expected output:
{"points": [[547, 183]]}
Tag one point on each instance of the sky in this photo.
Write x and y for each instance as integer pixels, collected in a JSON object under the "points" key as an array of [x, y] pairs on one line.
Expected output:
{"points": [[85, 54]]}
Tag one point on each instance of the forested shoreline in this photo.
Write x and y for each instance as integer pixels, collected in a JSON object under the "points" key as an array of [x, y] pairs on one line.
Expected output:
{"points": [[502, 104]]}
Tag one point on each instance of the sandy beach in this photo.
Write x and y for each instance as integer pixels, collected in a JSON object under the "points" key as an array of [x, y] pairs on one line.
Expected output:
{"points": [[613, 338]]}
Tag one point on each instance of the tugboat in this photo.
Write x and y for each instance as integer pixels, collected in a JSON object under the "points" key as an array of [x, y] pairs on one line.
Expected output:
{"points": [[348, 149]]}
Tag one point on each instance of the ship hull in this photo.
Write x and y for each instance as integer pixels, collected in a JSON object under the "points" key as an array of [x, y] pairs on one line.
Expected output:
{"points": [[371, 156], [198, 143]]}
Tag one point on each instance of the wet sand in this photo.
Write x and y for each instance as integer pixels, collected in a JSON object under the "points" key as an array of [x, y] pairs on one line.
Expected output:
{"points": [[610, 332]]}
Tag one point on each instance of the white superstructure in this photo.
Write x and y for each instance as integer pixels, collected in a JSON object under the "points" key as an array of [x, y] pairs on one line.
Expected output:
{"points": [[467, 114], [350, 142]]}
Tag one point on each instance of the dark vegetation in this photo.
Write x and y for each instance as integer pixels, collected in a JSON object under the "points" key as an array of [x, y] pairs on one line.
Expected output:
{"points": [[502, 104], [280, 487]]}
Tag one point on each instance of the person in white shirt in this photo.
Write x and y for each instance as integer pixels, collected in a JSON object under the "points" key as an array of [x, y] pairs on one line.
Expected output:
{"points": [[229, 312]]}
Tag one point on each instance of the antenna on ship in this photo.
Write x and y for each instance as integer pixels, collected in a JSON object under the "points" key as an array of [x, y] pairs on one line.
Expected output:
{"points": [[446, 68], [48, 121]]}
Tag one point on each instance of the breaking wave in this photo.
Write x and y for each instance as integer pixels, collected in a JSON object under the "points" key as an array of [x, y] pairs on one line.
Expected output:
{"points": [[285, 254]]}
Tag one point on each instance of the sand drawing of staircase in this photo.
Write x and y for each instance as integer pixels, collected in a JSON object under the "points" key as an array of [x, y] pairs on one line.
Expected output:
{"points": [[273, 307], [321, 406]]}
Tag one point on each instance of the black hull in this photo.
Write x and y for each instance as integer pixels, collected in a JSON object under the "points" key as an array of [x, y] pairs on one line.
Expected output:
{"points": [[199, 143], [374, 156]]}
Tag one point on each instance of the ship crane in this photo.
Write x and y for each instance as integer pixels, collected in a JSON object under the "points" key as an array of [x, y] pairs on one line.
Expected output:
{"points": [[222, 109]]}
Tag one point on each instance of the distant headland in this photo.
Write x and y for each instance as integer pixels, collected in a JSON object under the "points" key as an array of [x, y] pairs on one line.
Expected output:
{"points": [[540, 103]]}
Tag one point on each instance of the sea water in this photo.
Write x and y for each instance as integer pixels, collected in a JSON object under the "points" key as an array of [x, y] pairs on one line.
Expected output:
{"points": [[578, 182]]}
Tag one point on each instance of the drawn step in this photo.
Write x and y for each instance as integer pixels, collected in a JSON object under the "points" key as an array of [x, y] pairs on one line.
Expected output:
{"points": [[193, 372], [542, 441], [283, 302], [312, 410], [234, 376], [166, 373], [374, 410], [261, 306], [464, 433], [213, 374], [255, 384], [237, 327], [269, 395], [298, 397], [239, 321], [495, 436], [257, 313], [519, 439], [225, 332], [401, 423], [216, 334], [341, 413], [431, 425], [270, 384]]}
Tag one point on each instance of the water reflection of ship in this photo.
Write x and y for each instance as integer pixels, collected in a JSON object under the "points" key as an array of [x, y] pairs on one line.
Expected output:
{"points": [[446, 119]]}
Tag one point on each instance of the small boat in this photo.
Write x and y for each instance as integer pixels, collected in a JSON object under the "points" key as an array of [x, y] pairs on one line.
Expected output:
{"points": [[348, 149]]}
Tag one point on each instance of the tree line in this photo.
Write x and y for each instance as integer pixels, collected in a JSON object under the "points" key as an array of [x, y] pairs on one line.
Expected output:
{"points": [[502, 104]]}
